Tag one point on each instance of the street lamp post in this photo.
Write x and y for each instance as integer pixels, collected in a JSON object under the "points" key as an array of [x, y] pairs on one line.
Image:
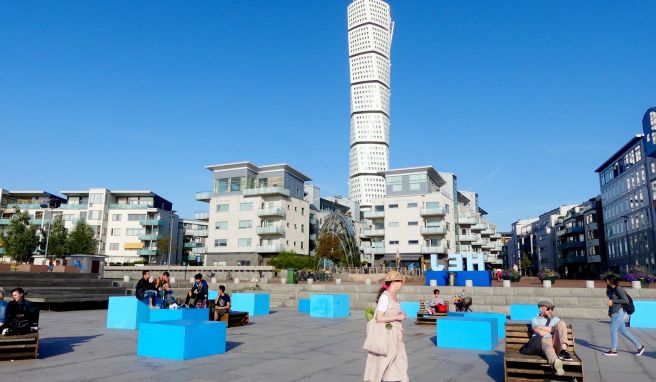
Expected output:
{"points": [[46, 206], [168, 262], [628, 239]]}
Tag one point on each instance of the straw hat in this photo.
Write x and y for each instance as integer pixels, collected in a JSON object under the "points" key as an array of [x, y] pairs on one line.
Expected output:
{"points": [[394, 276]]}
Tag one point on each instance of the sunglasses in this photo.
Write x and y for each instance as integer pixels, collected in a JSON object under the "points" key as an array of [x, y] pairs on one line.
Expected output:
{"points": [[550, 309]]}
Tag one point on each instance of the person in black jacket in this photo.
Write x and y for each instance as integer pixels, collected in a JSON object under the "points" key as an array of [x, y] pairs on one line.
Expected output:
{"points": [[198, 292], [617, 299], [146, 291], [20, 315]]}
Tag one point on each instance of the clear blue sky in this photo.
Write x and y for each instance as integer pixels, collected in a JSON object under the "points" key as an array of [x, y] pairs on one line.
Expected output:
{"points": [[522, 100]]}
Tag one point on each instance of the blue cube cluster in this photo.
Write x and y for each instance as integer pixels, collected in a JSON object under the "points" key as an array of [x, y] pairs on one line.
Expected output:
{"points": [[645, 311], [411, 308], [329, 305], [467, 333], [256, 304], [500, 317], [523, 312], [126, 312], [304, 305], [157, 315], [181, 339]]}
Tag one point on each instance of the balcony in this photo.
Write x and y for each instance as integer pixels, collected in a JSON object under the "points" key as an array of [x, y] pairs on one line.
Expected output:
{"points": [[571, 230], [263, 191], [479, 243], [572, 245], [149, 222], [367, 250], [373, 232], [193, 245], [25, 206], [433, 211], [39, 221], [488, 232], [496, 236], [464, 219], [479, 227], [149, 237], [204, 215], [196, 232], [270, 230], [147, 252], [271, 212], [467, 238], [203, 196], [2, 251], [5, 221], [433, 249], [74, 206], [374, 215], [272, 248], [130, 206], [433, 231], [199, 250]]}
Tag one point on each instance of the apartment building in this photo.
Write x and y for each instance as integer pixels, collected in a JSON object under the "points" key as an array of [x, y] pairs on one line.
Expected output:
{"points": [[255, 212], [475, 233], [626, 180], [192, 236], [127, 224], [522, 242]]}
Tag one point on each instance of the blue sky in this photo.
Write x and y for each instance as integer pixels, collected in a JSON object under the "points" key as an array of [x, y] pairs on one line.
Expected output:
{"points": [[522, 100]]}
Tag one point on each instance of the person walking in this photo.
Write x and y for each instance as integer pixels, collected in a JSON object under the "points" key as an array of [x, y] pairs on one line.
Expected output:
{"points": [[617, 299], [394, 365]]}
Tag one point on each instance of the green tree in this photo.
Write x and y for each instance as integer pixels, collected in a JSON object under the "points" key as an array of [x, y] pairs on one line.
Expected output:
{"points": [[81, 239], [163, 244], [57, 239], [286, 260], [329, 247], [525, 263], [20, 239]]}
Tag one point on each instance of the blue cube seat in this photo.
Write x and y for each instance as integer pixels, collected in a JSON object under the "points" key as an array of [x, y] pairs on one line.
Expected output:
{"points": [[523, 312], [181, 339], [256, 304], [411, 308], [126, 312], [467, 333], [212, 295], [500, 317], [645, 311], [304, 305], [329, 305], [191, 314]]}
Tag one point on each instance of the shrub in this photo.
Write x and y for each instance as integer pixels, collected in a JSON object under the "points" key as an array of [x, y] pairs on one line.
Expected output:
{"points": [[548, 273]]}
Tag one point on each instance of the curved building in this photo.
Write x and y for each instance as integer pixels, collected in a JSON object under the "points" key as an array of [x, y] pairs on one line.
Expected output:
{"points": [[370, 30]]}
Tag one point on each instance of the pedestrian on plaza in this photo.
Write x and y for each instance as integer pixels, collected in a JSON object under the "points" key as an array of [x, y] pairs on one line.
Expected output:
{"points": [[553, 331], [394, 365], [617, 302], [145, 290]]}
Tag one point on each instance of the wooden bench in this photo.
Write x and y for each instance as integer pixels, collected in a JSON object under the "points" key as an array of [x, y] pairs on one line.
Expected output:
{"points": [[232, 318], [423, 318], [21, 346], [523, 368]]}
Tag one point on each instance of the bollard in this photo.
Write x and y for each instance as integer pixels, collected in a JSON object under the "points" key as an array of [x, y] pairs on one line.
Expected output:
{"points": [[310, 281], [171, 280], [546, 283], [235, 280], [126, 279], [213, 279], [367, 282], [338, 281], [506, 283], [283, 280], [469, 283], [433, 283], [636, 284], [589, 284]]}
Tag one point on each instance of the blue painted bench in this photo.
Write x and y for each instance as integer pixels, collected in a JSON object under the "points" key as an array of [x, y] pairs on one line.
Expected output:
{"points": [[523, 312], [329, 305], [467, 333], [181, 339], [411, 308], [191, 314], [304, 305], [256, 304], [645, 311], [500, 317], [126, 312]]}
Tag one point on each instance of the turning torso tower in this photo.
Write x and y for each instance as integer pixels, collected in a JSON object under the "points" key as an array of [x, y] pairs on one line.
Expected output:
{"points": [[370, 30]]}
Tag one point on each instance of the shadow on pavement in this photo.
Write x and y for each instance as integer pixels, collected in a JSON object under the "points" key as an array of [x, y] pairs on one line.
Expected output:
{"points": [[51, 347], [232, 345], [494, 362]]}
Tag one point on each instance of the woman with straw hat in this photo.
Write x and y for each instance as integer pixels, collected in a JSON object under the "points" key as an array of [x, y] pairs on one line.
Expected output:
{"points": [[394, 365]]}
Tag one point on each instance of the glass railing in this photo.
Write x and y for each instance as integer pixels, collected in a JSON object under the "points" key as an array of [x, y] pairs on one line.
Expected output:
{"points": [[130, 206], [203, 196], [201, 215], [433, 230], [147, 252], [432, 249], [196, 232], [151, 222], [271, 212], [374, 214], [276, 230], [375, 250], [149, 237], [467, 237], [266, 191], [199, 250], [25, 206], [193, 245], [37, 221], [5, 221], [273, 248], [433, 211], [374, 232], [74, 206]]}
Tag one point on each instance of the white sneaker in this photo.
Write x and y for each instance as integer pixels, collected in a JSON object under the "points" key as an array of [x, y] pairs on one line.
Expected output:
{"points": [[558, 367], [5, 331]]}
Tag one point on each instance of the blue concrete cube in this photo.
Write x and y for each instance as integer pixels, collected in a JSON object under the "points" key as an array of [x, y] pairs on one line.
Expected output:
{"points": [[182, 339], [467, 333], [645, 311], [304, 305], [212, 295], [500, 317], [126, 312], [329, 305], [191, 314], [256, 304], [523, 312], [411, 308]]}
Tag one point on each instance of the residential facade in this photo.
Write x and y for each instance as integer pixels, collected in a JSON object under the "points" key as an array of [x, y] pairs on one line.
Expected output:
{"points": [[255, 212], [475, 233], [192, 236]]}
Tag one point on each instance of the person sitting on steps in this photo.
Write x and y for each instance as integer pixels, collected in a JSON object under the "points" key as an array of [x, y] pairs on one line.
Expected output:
{"points": [[221, 304], [163, 287], [437, 304], [198, 292], [20, 315], [553, 331], [146, 291]]}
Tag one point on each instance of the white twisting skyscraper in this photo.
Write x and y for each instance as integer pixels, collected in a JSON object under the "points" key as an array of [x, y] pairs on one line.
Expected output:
{"points": [[370, 30]]}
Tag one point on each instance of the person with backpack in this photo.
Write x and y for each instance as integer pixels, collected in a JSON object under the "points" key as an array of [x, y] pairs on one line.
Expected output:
{"points": [[620, 306]]}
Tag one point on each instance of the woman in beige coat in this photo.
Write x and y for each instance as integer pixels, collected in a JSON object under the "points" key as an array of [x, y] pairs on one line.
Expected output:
{"points": [[394, 365]]}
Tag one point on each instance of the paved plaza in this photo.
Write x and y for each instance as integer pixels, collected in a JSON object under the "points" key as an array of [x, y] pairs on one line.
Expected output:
{"points": [[287, 346]]}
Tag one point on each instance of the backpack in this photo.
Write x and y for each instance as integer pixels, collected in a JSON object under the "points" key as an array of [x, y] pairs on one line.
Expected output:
{"points": [[628, 308], [534, 344]]}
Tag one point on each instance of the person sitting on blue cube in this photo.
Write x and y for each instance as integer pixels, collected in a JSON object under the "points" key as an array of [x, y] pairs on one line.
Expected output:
{"points": [[221, 304], [164, 291], [198, 292], [146, 291]]}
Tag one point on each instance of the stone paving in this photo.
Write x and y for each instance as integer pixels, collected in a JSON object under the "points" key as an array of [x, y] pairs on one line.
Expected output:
{"points": [[287, 346]]}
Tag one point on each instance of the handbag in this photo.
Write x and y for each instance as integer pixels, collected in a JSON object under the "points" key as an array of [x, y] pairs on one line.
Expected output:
{"points": [[534, 344], [376, 340]]}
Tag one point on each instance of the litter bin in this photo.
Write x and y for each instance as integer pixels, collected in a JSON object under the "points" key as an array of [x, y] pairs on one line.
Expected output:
{"points": [[291, 276], [452, 278]]}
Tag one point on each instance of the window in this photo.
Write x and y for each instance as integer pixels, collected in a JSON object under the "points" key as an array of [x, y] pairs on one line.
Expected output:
{"points": [[235, 184], [113, 246], [393, 224], [95, 215], [393, 206], [413, 242], [413, 223], [222, 207], [115, 232], [244, 242], [303, 211], [412, 205], [136, 217], [133, 231], [221, 225], [432, 205], [95, 198], [302, 227], [116, 217], [301, 245], [68, 217], [246, 206], [245, 224], [221, 242], [394, 242]]}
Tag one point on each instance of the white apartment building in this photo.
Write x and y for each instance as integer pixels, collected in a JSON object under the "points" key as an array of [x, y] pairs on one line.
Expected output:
{"points": [[255, 212], [370, 30], [192, 236], [475, 233], [127, 224]]}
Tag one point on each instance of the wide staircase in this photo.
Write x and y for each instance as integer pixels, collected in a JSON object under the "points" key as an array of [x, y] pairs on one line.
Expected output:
{"points": [[61, 290]]}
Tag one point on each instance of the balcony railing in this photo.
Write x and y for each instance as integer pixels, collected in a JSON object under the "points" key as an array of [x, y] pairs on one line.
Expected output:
{"points": [[199, 250], [433, 211], [193, 245], [464, 219], [571, 230], [479, 227], [467, 238], [266, 191], [273, 248], [130, 206], [203, 196], [38, 221], [151, 222], [488, 232], [373, 232], [25, 206], [374, 215], [271, 212], [2, 251], [74, 206], [433, 249], [572, 244], [147, 252], [196, 232], [270, 230], [433, 231], [375, 250], [149, 237], [204, 215], [5, 221]]}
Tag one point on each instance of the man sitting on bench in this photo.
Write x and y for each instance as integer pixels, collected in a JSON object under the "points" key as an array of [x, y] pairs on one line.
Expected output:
{"points": [[19, 315], [221, 304], [198, 292], [553, 331], [146, 291]]}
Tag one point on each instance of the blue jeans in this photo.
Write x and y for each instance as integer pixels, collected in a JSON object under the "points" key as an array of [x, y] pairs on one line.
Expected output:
{"points": [[149, 296], [617, 325]]}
